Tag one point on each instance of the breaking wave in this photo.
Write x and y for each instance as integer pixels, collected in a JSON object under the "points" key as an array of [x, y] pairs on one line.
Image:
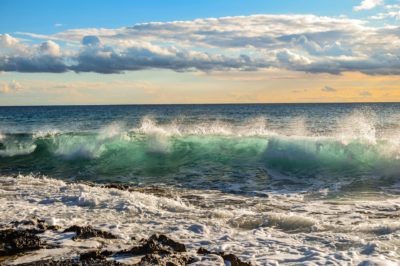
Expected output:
{"points": [[208, 151]]}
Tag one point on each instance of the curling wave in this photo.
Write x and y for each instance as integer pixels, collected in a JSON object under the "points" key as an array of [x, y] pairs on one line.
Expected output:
{"points": [[206, 153]]}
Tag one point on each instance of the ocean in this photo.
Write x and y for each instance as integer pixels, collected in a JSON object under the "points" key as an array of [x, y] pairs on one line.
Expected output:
{"points": [[272, 183]]}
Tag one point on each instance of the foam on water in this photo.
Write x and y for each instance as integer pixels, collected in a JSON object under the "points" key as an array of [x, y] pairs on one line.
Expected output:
{"points": [[282, 228]]}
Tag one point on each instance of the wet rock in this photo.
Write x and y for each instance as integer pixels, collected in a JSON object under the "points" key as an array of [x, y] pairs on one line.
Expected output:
{"points": [[51, 263], [203, 251], [32, 222], [232, 259], [158, 244], [71, 262], [169, 260], [16, 241], [153, 190], [40, 224], [92, 255], [116, 186], [85, 232]]}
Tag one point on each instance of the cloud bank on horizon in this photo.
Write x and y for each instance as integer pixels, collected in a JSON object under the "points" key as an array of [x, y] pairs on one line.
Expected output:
{"points": [[305, 43]]}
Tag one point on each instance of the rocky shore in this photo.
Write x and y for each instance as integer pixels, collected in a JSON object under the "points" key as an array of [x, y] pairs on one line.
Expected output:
{"points": [[23, 238]]}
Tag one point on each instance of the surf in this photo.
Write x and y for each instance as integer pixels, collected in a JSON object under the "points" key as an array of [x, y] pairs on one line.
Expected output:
{"points": [[165, 152]]}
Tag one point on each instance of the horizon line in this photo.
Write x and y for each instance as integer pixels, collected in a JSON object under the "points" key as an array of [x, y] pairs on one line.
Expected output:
{"points": [[164, 104]]}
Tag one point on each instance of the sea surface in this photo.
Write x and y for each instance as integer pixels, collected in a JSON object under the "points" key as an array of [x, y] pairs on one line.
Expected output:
{"points": [[273, 183]]}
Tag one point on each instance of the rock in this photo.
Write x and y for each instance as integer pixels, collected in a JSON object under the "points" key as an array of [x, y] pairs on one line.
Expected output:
{"points": [[116, 186], [16, 241], [51, 263], [85, 232], [169, 260], [203, 251], [71, 262], [233, 259], [158, 244], [92, 255], [37, 223], [25, 222]]}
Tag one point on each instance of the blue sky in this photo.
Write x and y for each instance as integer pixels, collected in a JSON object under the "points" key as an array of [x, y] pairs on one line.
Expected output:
{"points": [[41, 16], [181, 51]]}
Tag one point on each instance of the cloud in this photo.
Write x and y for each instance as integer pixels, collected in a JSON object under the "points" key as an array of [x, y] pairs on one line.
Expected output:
{"points": [[7, 40], [365, 94], [91, 40], [107, 60], [391, 12], [328, 89], [368, 4], [50, 48], [305, 43], [43, 63], [10, 87]]}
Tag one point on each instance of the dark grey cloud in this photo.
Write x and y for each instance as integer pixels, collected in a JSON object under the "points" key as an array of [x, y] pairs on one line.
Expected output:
{"points": [[106, 60], [34, 64]]}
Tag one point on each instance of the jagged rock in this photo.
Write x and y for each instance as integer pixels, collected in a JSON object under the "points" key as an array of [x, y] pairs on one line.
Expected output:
{"points": [[71, 262], [24, 222], [35, 222], [168, 260], [51, 263], [233, 259], [203, 251], [92, 255], [158, 249], [158, 244], [85, 232], [15, 241], [116, 186]]}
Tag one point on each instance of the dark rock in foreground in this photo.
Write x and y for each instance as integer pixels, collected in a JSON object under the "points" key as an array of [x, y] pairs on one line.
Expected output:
{"points": [[233, 259], [16, 241], [170, 260], [158, 249], [71, 263], [85, 232], [158, 244]]}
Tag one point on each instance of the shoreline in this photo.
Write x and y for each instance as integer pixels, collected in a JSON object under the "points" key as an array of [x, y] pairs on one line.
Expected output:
{"points": [[22, 238], [275, 229]]}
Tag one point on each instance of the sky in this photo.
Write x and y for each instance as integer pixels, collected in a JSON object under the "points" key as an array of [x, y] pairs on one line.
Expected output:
{"points": [[181, 51]]}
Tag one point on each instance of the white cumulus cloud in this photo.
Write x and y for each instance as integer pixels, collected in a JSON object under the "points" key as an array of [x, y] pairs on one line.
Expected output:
{"points": [[368, 4]]}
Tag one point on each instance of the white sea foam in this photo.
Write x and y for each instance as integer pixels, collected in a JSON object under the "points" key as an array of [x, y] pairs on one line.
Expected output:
{"points": [[46, 132], [252, 127], [282, 228], [14, 149]]}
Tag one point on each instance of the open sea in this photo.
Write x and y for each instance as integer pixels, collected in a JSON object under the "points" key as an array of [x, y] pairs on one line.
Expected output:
{"points": [[292, 184]]}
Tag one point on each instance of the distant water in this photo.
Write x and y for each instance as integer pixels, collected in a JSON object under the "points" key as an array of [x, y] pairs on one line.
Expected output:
{"points": [[274, 184], [237, 147]]}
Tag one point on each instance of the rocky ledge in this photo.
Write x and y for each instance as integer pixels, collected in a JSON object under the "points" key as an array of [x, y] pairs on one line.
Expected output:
{"points": [[21, 237]]}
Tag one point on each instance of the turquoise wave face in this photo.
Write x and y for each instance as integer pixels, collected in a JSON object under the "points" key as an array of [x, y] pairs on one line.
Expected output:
{"points": [[234, 162]]}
